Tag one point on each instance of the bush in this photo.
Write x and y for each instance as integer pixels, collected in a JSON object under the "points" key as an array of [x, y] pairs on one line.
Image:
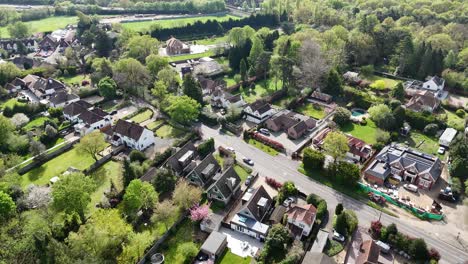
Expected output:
{"points": [[338, 209], [209, 118], [136, 155], [342, 116], [313, 159], [431, 129], [273, 183], [322, 209], [418, 249], [55, 112], [313, 199], [206, 147], [460, 112], [367, 70]]}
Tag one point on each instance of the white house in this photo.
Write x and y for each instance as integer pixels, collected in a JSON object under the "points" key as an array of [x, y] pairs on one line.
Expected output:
{"points": [[132, 135], [447, 137], [434, 84], [301, 219], [73, 110], [258, 112], [220, 98], [89, 121]]}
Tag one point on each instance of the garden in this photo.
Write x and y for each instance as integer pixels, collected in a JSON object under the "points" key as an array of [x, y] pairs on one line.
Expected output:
{"points": [[366, 132], [312, 110], [422, 142], [229, 258], [44, 25], [143, 116], [168, 131], [172, 247]]}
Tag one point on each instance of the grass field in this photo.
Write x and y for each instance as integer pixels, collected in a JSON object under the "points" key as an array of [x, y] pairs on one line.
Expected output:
{"points": [[366, 132], [143, 116], [230, 258], [44, 25], [315, 111], [37, 122], [55, 167], [389, 83], [191, 56], [168, 131], [422, 142], [111, 171], [184, 233], [263, 147], [174, 22]]}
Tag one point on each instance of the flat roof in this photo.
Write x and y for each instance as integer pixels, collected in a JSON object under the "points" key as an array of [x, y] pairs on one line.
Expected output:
{"points": [[320, 241], [214, 242], [250, 223], [448, 135]]}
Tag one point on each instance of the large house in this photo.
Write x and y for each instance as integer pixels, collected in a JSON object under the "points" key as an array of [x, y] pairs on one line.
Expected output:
{"points": [[62, 99], [175, 46], [181, 161], [321, 97], [13, 45], [222, 99], [404, 164], [204, 171], [255, 205], [423, 101], [209, 86], [132, 135], [434, 84], [294, 124], [86, 118], [301, 219], [42, 88], [359, 151], [73, 110], [225, 186], [258, 111]]}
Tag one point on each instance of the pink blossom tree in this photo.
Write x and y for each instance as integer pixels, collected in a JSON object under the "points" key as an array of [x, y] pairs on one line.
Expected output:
{"points": [[198, 213]]}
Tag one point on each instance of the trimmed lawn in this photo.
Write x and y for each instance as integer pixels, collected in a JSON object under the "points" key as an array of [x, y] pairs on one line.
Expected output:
{"points": [[44, 25], [454, 121], [168, 131], [75, 79], [229, 258], [143, 116], [153, 125], [37, 122], [10, 103], [185, 233], [312, 110], [111, 171], [243, 174], [422, 142], [55, 167], [263, 147], [208, 53], [366, 132], [173, 22], [389, 83]]}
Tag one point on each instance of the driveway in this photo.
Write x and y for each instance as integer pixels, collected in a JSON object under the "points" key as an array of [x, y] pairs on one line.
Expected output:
{"points": [[123, 112], [440, 235], [235, 241]]}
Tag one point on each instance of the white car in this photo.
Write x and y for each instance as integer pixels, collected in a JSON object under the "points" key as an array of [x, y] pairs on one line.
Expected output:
{"points": [[231, 149], [338, 237], [441, 150], [411, 187]]}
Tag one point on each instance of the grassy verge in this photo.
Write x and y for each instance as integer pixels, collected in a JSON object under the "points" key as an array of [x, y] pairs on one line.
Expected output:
{"points": [[263, 147], [229, 258], [380, 208]]}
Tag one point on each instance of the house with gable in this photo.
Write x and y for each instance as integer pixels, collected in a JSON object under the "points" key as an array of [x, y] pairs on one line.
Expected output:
{"points": [[181, 161], [423, 101], [204, 171], [226, 185], [222, 99], [258, 111], [73, 110], [434, 84], [294, 124], [301, 219], [209, 86], [62, 99], [85, 117], [132, 135], [255, 205], [404, 164], [175, 46]]}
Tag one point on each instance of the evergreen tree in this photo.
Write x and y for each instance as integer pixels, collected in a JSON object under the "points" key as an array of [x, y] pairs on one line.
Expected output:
{"points": [[192, 88], [437, 62], [243, 71], [128, 174], [425, 68], [399, 92], [333, 84], [255, 52], [450, 60]]}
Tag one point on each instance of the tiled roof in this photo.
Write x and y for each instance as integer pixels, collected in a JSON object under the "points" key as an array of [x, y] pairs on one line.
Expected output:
{"points": [[62, 97], [369, 253], [259, 193], [130, 130], [304, 213], [74, 109], [223, 181]]}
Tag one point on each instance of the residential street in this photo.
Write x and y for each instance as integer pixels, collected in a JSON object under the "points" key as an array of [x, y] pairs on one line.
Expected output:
{"points": [[439, 235]]}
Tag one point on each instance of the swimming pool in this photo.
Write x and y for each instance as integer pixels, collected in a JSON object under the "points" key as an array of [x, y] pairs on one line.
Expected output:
{"points": [[357, 112]]}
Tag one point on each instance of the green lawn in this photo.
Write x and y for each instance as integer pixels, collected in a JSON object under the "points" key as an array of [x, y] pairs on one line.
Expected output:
{"points": [[44, 25], [243, 174], [229, 258], [332, 248], [55, 167], [153, 125], [10, 103], [262, 89], [312, 110], [208, 53], [143, 116], [366, 132], [263, 147], [421, 142], [174, 22], [77, 79], [111, 171], [37, 122], [454, 121], [389, 83], [168, 131], [185, 233], [211, 41]]}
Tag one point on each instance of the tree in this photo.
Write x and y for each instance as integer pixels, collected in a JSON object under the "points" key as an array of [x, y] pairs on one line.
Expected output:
{"points": [[140, 47], [382, 115], [243, 71], [101, 238], [7, 206], [198, 213], [71, 194], [185, 195], [287, 190], [277, 238], [399, 92], [418, 249], [340, 224], [192, 88], [255, 51], [367, 70], [130, 74], [155, 63], [159, 90], [312, 63], [188, 251], [164, 180], [338, 209], [382, 136], [92, 144], [183, 109], [336, 145], [102, 43], [19, 119], [450, 60], [164, 212], [313, 159], [431, 129], [136, 247], [169, 77], [19, 30], [333, 83], [107, 88], [138, 195], [342, 116], [8, 71], [37, 149], [6, 130]]}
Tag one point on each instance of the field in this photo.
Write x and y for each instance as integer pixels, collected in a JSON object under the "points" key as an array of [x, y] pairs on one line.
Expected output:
{"points": [[44, 25], [55, 167], [75, 79], [422, 142], [366, 132], [263, 147], [174, 22], [312, 110], [143, 116], [168, 131], [230, 258], [389, 83]]}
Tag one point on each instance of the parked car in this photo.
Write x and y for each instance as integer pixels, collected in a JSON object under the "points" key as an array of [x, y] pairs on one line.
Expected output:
{"points": [[441, 150], [447, 195], [248, 161], [264, 131], [383, 247], [248, 180], [411, 187], [113, 112], [289, 201], [376, 198], [338, 237]]}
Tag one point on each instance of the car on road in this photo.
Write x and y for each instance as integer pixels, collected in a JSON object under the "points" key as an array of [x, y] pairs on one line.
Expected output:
{"points": [[338, 237], [411, 187], [248, 181], [248, 161], [383, 247], [441, 150], [230, 149], [264, 131]]}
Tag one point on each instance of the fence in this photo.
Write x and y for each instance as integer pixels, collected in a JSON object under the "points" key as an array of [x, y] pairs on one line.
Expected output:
{"points": [[103, 160], [415, 211]]}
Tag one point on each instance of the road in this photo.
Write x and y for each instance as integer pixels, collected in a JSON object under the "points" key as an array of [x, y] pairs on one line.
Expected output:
{"points": [[285, 169]]}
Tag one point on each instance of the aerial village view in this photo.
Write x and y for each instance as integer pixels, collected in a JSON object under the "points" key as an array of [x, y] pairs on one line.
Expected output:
{"points": [[233, 132]]}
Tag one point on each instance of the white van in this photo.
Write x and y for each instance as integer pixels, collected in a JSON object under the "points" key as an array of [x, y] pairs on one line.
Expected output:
{"points": [[383, 247], [411, 187]]}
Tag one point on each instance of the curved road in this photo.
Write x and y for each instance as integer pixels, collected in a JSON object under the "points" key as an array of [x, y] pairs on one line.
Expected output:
{"points": [[284, 169]]}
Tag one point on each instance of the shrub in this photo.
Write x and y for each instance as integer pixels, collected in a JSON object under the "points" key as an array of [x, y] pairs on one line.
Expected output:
{"points": [[434, 254], [431, 129], [313, 199], [338, 209], [460, 112], [418, 249], [376, 228], [322, 209], [273, 183], [206, 147], [55, 112], [313, 159], [367, 70], [136, 155], [342, 116], [378, 85]]}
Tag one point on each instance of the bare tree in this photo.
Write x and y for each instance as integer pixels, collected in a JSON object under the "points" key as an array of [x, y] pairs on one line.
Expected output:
{"points": [[38, 196], [313, 65]]}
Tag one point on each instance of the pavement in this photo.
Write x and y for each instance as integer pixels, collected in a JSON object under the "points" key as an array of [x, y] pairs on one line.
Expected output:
{"points": [[235, 241], [440, 235]]}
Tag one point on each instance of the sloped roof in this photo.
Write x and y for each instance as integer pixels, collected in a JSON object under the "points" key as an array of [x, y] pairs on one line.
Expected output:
{"points": [[300, 127], [100, 112], [74, 109], [422, 99], [437, 80], [251, 205], [89, 117], [305, 213], [128, 129], [173, 161], [321, 96], [62, 97], [260, 105], [369, 253], [173, 42], [221, 181], [317, 258], [214, 167]]}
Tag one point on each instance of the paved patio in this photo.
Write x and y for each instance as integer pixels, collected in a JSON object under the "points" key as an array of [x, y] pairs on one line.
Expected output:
{"points": [[235, 241]]}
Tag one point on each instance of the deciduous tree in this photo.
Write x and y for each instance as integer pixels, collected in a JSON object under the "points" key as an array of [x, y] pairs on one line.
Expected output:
{"points": [[19, 30], [139, 195], [183, 109], [107, 88], [92, 144], [185, 195], [164, 212], [140, 47], [7, 206], [336, 145]]}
